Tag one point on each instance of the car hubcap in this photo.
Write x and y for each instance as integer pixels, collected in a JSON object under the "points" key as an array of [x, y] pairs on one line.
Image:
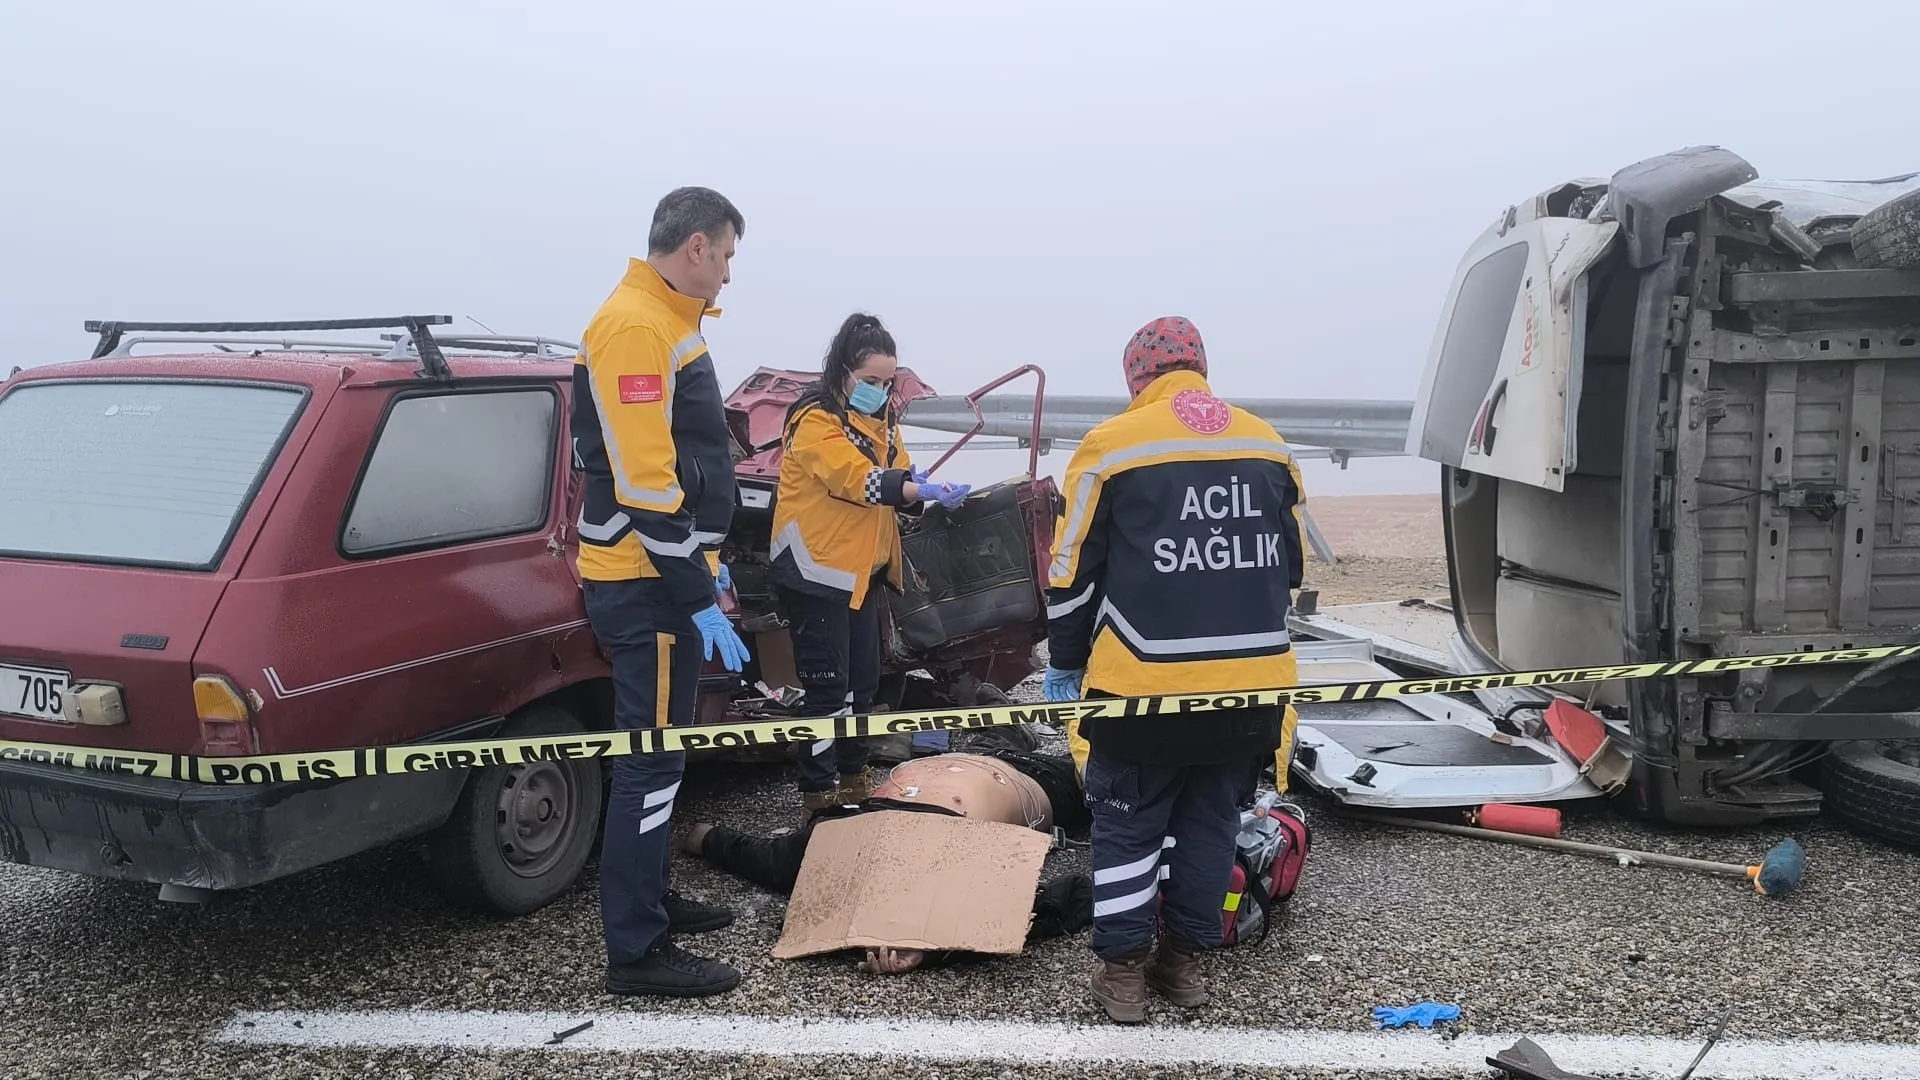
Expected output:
{"points": [[535, 820]]}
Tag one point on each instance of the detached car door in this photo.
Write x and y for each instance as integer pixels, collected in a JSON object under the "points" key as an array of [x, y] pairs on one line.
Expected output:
{"points": [[1502, 374]]}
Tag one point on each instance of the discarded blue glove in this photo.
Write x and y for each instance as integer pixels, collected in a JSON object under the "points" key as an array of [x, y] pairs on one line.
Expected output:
{"points": [[1062, 685], [948, 495], [1423, 1013], [716, 630], [724, 580]]}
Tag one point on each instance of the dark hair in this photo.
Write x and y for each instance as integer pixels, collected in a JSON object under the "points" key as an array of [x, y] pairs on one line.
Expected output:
{"points": [[860, 336], [688, 210]]}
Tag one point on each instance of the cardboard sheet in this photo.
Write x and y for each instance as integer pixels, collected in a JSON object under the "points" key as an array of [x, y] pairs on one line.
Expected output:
{"points": [[913, 880]]}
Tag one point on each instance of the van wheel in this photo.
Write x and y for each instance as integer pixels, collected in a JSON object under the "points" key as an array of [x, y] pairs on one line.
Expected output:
{"points": [[1888, 236], [1874, 787], [520, 834]]}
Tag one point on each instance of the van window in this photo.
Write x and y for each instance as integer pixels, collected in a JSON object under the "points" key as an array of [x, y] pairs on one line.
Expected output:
{"points": [[453, 468], [1471, 353], [140, 473]]}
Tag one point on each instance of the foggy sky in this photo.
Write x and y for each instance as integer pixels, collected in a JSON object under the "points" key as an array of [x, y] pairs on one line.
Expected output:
{"points": [[1001, 182]]}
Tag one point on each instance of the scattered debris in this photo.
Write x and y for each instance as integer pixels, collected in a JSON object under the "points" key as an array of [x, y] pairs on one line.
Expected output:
{"points": [[1718, 1030], [1424, 1013], [1775, 875], [562, 1036], [1514, 818], [1526, 1060]]}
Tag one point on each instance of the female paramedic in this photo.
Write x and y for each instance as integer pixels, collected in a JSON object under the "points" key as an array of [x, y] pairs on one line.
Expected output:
{"points": [[844, 478]]}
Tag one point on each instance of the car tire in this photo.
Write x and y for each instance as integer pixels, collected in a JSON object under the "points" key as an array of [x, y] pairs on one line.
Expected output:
{"points": [[1874, 792], [1888, 236], [520, 835]]}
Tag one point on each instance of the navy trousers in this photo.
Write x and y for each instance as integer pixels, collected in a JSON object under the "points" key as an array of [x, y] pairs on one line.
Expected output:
{"points": [[836, 653], [656, 676], [1163, 843]]}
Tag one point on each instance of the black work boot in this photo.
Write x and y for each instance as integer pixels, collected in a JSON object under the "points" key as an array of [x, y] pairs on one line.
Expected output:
{"points": [[670, 971], [1175, 972], [686, 916], [1120, 986]]}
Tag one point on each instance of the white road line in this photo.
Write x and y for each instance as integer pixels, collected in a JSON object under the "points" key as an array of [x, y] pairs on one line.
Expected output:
{"points": [[1408, 1053]]}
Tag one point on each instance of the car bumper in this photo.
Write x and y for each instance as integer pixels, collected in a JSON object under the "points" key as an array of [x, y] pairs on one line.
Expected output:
{"points": [[171, 832]]}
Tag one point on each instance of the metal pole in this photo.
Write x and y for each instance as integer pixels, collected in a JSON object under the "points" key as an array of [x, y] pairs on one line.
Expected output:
{"points": [[1315, 537]]}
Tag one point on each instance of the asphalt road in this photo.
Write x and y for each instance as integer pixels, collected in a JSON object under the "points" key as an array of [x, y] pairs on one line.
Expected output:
{"points": [[103, 980]]}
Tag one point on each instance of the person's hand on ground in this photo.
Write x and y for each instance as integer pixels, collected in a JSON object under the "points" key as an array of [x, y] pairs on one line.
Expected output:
{"points": [[887, 960], [1062, 685], [694, 840], [715, 630]]}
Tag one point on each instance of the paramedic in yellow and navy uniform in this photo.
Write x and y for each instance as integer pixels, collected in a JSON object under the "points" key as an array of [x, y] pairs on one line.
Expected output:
{"points": [[649, 434], [845, 478], [1172, 571]]}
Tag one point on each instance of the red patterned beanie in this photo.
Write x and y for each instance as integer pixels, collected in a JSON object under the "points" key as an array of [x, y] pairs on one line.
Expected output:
{"points": [[1163, 345]]}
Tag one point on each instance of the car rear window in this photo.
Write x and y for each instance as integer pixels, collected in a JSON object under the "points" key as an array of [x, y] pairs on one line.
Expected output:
{"points": [[143, 473]]}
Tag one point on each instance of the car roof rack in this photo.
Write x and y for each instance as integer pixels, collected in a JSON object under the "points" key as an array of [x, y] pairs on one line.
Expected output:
{"points": [[414, 339]]}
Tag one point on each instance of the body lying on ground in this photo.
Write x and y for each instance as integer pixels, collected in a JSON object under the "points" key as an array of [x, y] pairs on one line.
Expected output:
{"points": [[1035, 791]]}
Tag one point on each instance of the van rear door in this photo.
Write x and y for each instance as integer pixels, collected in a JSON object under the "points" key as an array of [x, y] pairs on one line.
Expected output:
{"points": [[1501, 378]]}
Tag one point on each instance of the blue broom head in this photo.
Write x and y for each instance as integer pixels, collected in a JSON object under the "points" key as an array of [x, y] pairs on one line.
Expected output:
{"points": [[1780, 871]]}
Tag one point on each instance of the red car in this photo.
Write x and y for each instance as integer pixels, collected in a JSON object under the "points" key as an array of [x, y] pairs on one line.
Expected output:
{"points": [[273, 545]]}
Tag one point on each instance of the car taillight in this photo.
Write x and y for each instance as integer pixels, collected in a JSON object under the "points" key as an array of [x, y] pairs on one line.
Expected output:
{"points": [[226, 724]]}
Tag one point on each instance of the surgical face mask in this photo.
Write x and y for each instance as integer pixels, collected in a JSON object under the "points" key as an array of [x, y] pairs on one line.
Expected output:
{"points": [[867, 397]]}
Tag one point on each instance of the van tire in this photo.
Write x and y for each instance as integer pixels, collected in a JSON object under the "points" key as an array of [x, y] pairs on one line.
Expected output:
{"points": [[1888, 236], [1873, 793], [552, 807]]}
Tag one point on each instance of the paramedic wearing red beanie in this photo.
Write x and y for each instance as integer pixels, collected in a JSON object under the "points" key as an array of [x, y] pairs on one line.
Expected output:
{"points": [[1172, 570]]}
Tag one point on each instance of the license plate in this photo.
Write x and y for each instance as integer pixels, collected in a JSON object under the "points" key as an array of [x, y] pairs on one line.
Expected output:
{"points": [[33, 692]]}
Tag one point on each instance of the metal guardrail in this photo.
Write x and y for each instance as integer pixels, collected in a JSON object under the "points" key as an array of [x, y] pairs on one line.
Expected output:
{"points": [[1345, 427]]}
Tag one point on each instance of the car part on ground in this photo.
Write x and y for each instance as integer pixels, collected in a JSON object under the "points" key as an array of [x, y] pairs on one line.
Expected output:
{"points": [[520, 834], [1424, 751], [1874, 786], [1777, 873]]}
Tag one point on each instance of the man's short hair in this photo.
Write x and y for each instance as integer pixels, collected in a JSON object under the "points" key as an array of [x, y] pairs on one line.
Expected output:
{"points": [[688, 210]]}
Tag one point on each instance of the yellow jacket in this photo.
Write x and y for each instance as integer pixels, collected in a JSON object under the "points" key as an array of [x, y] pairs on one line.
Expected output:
{"points": [[649, 433], [1173, 565], [835, 517]]}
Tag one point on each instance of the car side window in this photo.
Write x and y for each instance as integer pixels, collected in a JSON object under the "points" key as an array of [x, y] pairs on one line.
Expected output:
{"points": [[1471, 353], [453, 468]]}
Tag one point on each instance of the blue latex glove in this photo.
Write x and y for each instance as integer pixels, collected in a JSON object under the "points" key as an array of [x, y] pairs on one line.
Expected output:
{"points": [[716, 630], [918, 476], [724, 581], [1423, 1013], [947, 495], [1062, 685]]}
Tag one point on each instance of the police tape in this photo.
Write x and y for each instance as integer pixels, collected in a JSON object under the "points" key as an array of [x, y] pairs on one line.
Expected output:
{"points": [[324, 765]]}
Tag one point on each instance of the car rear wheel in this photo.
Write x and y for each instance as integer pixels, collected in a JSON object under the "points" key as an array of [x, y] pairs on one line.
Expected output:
{"points": [[521, 834], [1888, 236], [1875, 788]]}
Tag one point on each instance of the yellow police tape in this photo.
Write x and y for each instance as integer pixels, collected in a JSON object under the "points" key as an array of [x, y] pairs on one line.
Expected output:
{"points": [[479, 753]]}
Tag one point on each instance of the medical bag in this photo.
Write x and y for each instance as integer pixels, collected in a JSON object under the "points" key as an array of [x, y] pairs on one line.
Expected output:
{"points": [[1269, 853]]}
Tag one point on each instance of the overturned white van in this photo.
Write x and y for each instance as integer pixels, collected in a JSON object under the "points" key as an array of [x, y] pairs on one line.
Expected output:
{"points": [[1678, 415]]}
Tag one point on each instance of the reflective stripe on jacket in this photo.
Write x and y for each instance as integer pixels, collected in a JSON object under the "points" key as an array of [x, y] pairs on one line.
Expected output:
{"points": [[1174, 559], [835, 517], [649, 432]]}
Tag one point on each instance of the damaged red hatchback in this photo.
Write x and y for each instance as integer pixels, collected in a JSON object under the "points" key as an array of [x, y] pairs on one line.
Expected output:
{"points": [[272, 544]]}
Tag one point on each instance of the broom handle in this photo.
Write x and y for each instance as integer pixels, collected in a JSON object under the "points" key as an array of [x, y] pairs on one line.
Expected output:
{"points": [[1729, 869]]}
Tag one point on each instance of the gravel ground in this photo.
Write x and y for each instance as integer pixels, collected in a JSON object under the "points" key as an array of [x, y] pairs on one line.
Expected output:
{"points": [[102, 980]]}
